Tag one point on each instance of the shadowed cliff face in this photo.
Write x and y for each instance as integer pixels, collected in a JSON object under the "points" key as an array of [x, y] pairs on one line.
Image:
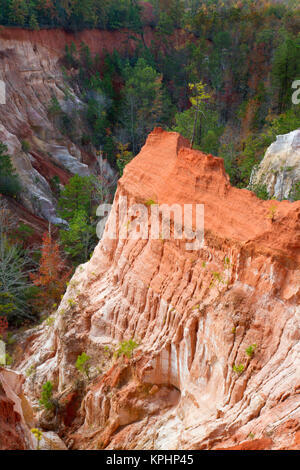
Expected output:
{"points": [[30, 67], [15, 413], [17, 418], [193, 313], [32, 76]]}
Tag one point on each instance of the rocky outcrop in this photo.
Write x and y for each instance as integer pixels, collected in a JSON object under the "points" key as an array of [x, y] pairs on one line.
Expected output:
{"points": [[16, 414], [280, 168], [32, 75], [218, 357], [30, 67], [17, 418]]}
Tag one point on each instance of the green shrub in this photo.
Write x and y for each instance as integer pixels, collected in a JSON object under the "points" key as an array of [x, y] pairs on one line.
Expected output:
{"points": [[50, 321], [126, 348], [260, 190], [54, 108], [82, 364], [46, 399], [25, 146], [8, 360], [295, 192], [239, 369], [30, 371], [38, 435], [251, 350], [150, 202], [23, 232], [55, 185]]}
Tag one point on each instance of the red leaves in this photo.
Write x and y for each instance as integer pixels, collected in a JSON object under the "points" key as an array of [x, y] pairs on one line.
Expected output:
{"points": [[52, 275], [3, 327]]}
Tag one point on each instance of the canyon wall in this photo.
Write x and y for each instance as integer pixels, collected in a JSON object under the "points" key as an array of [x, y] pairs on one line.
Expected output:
{"points": [[279, 170], [17, 418], [16, 414], [30, 67], [218, 357]]}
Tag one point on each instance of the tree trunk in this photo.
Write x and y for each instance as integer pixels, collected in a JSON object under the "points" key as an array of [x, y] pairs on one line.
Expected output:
{"points": [[195, 126]]}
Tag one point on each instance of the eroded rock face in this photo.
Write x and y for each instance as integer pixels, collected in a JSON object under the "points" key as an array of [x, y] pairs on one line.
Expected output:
{"points": [[32, 76], [30, 67], [193, 313], [17, 418], [16, 414], [280, 167]]}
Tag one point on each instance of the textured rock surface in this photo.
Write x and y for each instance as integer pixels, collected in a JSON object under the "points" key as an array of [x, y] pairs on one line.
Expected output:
{"points": [[31, 69], [50, 441], [16, 414], [32, 74], [280, 167], [193, 313], [17, 417]]}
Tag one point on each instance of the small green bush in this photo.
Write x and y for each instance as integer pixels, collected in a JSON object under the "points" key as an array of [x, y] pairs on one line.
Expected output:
{"points": [[295, 192], [46, 399], [126, 348], [30, 371], [54, 108], [23, 232], [8, 360], [251, 350], [260, 190], [239, 369], [82, 364], [50, 321], [25, 146], [150, 202], [55, 185], [38, 435]]}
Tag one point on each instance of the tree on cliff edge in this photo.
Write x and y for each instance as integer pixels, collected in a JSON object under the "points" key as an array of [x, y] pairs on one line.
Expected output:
{"points": [[143, 103]]}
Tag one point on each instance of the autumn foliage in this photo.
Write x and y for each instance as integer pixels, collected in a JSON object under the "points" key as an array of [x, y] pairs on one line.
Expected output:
{"points": [[3, 327], [52, 275]]}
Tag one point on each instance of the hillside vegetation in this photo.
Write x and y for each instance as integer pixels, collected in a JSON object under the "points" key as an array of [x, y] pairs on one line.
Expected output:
{"points": [[246, 54], [220, 73]]}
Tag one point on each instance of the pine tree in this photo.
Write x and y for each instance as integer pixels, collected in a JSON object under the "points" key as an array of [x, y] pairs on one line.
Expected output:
{"points": [[80, 239], [77, 204], [286, 68], [143, 102], [199, 96], [77, 195], [18, 12], [9, 180]]}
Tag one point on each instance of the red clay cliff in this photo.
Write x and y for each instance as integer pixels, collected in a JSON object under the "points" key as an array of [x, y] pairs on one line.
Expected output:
{"points": [[192, 382]]}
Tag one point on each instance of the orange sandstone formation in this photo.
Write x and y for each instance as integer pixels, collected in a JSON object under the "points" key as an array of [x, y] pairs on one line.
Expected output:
{"points": [[190, 384]]}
